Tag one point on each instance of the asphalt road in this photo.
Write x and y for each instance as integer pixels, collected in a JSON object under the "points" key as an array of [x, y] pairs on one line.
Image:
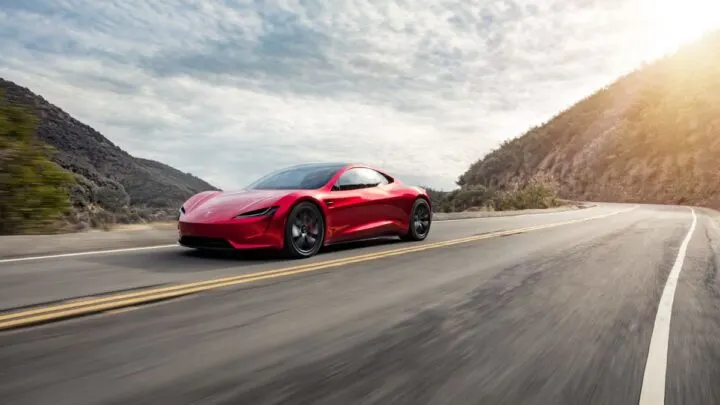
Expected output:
{"points": [[559, 315]]}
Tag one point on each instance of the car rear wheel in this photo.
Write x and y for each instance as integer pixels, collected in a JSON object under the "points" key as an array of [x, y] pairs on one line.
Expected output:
{"points": [[420, 221], [304, 231]]}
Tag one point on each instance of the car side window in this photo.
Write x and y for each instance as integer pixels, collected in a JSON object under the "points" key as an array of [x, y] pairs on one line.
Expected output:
{"points": [[374, 178], [349, 180], [360, 177]]}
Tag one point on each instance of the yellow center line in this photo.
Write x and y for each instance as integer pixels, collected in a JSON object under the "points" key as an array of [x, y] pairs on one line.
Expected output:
{"points": [[93, 305]]}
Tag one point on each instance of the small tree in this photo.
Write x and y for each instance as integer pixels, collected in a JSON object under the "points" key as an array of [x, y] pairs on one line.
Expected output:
{"points": [[34, 191]]}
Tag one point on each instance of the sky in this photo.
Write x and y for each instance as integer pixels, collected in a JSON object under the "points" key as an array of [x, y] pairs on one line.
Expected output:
{"points": [[229, 90]]}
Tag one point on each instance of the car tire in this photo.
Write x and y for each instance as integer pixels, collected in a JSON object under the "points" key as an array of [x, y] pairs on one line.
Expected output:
{"points": [[304, 231], [420, 212]]}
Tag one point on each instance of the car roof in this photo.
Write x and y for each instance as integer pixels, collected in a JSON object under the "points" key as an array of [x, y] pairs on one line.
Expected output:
{"points": [[319, 165], [330, 165]]}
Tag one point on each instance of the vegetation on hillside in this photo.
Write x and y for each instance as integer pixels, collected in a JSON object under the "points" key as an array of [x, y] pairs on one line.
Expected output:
{"points": [[110, 185], [482, 198], [652, 136], [436, 196], [34, 191]]}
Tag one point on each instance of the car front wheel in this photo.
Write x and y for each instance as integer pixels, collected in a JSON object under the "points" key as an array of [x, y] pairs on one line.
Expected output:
{"points": [[304, 231]]}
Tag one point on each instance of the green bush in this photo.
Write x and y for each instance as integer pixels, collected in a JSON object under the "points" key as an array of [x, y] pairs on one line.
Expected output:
{"points": [[482, 198], [34, 191], [529, 197], [112, 196]]}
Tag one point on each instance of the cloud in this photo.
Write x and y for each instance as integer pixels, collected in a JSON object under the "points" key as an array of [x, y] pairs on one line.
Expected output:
{"points": [[230, 90]]}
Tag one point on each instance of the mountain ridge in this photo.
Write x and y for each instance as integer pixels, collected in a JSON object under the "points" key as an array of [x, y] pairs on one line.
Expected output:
{"points": [[111, 183], [649, 137]]}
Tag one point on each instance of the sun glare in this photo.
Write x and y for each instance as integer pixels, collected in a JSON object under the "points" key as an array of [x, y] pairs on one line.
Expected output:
{"points": [[671, 23]]}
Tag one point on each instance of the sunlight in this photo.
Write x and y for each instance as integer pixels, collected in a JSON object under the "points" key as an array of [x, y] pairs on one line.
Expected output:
{"points": [[670, 23]]}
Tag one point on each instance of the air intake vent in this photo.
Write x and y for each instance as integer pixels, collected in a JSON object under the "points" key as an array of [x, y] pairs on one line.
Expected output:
{"points": [[205, 243]]}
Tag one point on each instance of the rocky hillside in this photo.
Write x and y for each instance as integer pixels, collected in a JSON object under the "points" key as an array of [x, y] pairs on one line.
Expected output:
{"points": [[111, 183], [652, 136]]}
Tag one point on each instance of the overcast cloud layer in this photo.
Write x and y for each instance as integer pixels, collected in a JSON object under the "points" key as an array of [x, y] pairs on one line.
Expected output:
{"points": [[229, 90]]}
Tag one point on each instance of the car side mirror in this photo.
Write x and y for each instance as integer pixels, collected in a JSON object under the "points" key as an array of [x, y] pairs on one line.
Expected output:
{"points": [[335, 187]]}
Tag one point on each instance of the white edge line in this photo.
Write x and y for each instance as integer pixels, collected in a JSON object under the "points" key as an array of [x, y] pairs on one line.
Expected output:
{"points": [[93, 252], [135, 249], [653, 386]]}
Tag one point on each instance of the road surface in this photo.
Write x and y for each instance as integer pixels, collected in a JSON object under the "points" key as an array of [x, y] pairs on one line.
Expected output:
{"points": [[569, 310]]}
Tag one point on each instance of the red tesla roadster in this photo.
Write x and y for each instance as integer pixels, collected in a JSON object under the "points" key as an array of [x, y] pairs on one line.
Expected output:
{"points": [[302, 208]]}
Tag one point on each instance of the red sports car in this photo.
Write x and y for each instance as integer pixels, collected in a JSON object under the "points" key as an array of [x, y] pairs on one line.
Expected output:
{"points": [[302, 208]]}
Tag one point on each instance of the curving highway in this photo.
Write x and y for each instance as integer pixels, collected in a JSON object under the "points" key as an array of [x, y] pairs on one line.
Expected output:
{"points": [[615, 304]]}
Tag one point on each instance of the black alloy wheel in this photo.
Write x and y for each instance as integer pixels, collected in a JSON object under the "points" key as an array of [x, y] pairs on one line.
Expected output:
{"points": [[305, 231], [420, 221]]}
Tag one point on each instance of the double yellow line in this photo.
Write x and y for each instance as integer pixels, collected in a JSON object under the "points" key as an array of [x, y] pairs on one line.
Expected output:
{"points": [[101, 304]]}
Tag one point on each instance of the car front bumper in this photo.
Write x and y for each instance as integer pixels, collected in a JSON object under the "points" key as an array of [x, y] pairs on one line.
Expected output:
{"points": [[250, 233]]}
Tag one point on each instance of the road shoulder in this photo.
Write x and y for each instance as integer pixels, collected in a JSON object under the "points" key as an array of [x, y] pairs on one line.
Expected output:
{"points": [[17, 246], [693, 362]]}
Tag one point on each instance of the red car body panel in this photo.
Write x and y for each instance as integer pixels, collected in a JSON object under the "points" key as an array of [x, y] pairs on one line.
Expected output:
{"points": [[209, 219]]}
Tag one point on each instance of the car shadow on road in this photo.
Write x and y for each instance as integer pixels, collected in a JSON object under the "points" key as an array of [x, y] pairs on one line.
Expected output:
{"points": [[275, 256], [184, 260], [360, 245]]}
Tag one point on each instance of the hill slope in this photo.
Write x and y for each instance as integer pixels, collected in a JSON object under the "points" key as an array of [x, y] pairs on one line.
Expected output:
{"points": [[109, 179], [652, 136]]}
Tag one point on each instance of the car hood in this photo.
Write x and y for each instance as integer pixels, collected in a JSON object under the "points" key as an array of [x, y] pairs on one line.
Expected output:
{"points": [[223, 206]]}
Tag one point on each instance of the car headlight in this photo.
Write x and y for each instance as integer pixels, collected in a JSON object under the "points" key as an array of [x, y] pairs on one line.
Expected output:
{"points": [[257, 213]]}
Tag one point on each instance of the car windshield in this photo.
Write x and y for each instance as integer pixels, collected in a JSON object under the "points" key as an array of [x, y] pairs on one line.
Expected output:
{"points": [[303, 177]]}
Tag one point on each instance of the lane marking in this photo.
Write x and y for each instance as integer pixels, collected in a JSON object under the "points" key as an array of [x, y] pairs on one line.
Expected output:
{"points": [[352, 259], [153, 247], [87, 253], [93, 305], [653, 385], [121, 310]]}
